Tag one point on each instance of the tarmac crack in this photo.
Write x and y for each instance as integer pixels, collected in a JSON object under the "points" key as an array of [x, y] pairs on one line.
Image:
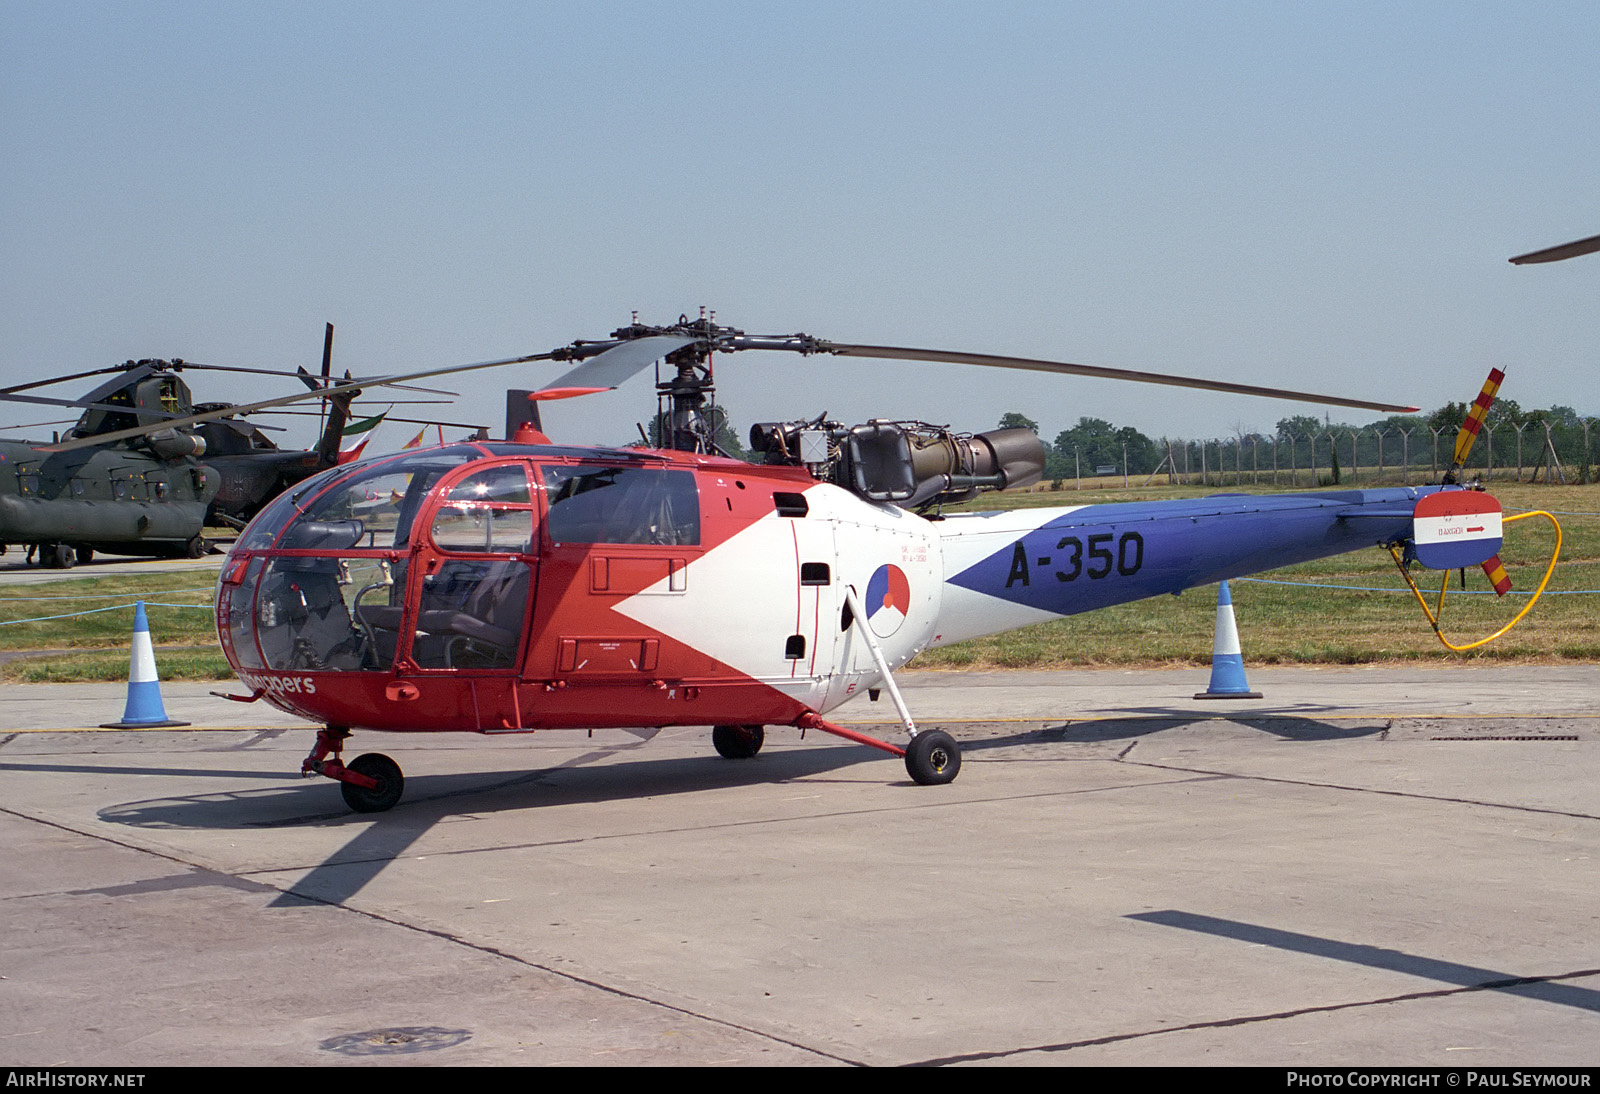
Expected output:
{"points": [[1252, 1019], [445, 936], [743, 823], [1405, 794]]}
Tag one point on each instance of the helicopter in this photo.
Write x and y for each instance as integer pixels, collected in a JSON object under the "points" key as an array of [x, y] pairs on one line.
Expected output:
{"points": [[155, 492], [520, 586]]}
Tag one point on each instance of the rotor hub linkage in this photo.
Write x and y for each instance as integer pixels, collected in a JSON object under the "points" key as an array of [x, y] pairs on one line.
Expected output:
{"points": [[686, 393]]}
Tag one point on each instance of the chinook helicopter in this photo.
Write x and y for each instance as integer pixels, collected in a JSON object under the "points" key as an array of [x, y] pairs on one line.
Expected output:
{"points": [[521, 586], [155, 492]]}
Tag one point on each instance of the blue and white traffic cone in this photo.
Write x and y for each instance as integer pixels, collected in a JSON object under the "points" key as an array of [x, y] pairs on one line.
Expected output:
{"points": [[1227, 661], [144, 709]]}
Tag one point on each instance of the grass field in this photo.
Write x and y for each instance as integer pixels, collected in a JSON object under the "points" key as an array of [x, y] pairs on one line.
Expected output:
{"points": [[1287, 616]]}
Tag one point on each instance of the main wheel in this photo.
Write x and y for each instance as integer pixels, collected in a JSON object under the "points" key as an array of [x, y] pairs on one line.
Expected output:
{"points": [[933, 758], [738, 742], [61, 556], [391, 783], [197, 547]]}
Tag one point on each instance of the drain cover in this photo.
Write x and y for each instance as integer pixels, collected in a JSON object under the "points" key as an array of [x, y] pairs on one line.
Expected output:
{"points": [[400, 1039]]}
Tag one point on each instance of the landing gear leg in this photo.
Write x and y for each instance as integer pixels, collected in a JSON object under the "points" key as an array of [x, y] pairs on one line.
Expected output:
{"points": [[932, 757], [372, 783]]}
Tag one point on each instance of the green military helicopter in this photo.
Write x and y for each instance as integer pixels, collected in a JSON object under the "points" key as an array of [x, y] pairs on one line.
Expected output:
{"points": [[155, 493]]}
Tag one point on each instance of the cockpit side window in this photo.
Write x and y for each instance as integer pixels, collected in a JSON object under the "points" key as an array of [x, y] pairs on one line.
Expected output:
{"points": [[650, 505], [490, 511]]}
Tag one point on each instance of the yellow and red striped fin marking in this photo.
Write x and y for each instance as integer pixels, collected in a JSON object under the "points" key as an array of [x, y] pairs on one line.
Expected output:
{"points": [[1495, 571], [1476, 414]]}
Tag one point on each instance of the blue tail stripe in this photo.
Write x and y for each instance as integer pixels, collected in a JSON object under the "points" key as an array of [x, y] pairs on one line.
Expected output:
{"points": [[1101, 555]]}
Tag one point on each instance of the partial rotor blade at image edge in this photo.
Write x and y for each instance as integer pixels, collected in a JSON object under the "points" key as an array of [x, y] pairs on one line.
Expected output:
{"points": [[902, 353], [1559, 252]]}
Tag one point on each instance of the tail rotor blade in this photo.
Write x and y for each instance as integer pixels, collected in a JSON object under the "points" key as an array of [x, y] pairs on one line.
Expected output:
{"points": [[1474, 421]]}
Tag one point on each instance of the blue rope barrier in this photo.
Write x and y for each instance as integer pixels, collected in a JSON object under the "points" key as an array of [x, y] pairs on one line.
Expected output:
{"points": [[96, 611], [1374, 589], [92, 596]]}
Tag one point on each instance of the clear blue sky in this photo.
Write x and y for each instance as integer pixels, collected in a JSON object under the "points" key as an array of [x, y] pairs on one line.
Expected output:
{"points": [[1316, 195]]}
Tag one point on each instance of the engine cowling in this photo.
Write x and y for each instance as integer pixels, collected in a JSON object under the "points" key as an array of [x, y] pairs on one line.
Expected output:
{"points": [[910, 464]]}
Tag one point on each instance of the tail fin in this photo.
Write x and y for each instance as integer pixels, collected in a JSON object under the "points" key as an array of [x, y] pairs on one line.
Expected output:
{"points": [[338, 406], [1457, 528]]}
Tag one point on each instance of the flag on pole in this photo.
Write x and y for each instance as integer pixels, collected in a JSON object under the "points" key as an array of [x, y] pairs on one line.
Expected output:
{"points": [[355, 437], [417, 441]]}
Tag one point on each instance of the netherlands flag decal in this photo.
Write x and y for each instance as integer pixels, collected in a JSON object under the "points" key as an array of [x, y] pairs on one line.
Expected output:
{"points": [[1456, 529], [888, 600]]}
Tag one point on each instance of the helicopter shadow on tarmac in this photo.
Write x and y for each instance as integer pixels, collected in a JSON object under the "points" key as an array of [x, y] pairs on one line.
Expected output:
{"points": [[596, 776], [574, 782], [380, 839], [1140, 723]]}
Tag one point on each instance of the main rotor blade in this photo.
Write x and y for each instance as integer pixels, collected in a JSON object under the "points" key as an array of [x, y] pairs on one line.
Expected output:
{"points": [[36, 425], [349, 388], [902, 353], [40, 400], [1560, 251], [621, 362], [60, 379]]}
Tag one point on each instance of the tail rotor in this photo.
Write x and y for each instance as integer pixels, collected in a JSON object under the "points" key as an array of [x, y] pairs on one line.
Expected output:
{"points": [[1474, 422]]}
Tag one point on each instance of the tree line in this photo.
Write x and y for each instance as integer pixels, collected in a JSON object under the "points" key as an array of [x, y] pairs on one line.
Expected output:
{"points": [[1554, 444]]}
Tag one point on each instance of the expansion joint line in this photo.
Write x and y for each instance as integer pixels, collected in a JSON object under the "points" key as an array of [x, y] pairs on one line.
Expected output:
{"points": [[1250, 1019]]}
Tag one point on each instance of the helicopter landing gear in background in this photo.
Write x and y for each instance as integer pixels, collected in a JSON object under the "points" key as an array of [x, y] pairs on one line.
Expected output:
{"points": [[738, 742]]}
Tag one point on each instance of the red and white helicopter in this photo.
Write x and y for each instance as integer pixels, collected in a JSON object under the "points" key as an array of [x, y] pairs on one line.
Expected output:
{"points": [[518, 586]]}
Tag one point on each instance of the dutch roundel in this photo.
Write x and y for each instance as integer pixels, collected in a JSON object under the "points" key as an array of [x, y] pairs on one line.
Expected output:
{"points": [[888, 600]]}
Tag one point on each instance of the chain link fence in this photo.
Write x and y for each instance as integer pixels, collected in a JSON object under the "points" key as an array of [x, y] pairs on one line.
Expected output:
{"points": [[1534, 452]]}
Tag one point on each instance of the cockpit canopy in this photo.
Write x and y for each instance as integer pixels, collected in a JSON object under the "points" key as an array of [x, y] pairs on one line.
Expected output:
{"points": [[430, 555]]}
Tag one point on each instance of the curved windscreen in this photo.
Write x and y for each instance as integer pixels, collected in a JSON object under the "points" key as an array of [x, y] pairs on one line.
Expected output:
{"points": [[331, 591]]}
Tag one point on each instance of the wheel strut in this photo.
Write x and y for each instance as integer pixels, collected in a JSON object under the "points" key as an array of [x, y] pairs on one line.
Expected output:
{"points": [[371, 783]]}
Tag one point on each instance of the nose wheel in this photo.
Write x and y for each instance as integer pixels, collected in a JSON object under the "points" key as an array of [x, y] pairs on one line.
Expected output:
{"points": [[383, 772], [370, 783]]}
